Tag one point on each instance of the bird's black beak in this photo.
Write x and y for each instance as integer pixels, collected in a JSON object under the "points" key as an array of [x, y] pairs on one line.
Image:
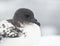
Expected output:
{"points": [[35, 21]]}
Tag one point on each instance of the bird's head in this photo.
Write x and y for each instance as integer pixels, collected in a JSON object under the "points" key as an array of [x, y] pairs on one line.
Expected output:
{"points": [[24, 15]]}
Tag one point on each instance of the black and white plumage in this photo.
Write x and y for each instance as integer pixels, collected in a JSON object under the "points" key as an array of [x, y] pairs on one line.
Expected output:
{"points": [[24, 25], [8, 30]]}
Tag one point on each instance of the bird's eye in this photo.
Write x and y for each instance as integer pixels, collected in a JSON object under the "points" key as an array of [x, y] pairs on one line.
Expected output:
{"points": [[27, 16]]}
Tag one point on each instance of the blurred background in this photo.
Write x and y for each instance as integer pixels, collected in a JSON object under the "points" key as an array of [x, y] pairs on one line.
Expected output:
{"points": [[47, 12]]}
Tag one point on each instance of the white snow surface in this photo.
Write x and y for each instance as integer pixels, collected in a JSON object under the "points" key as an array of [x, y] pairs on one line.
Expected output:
{"points": [[53, 40]]}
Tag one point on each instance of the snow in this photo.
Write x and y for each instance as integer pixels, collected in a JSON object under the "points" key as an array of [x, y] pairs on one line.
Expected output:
{"points": [[50, 41]]}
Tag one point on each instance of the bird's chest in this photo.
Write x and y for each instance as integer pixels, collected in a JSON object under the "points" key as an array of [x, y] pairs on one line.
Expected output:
{"points": [[32, 37]]}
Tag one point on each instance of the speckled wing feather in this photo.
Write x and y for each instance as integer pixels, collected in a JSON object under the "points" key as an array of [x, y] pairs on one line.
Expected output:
{"points": [[8, 30]]}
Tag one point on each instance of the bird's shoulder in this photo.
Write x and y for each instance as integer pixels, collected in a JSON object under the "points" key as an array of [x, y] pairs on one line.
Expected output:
{"points": [[5, 23]]}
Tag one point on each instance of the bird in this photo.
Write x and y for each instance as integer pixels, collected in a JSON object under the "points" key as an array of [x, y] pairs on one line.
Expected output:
{"points": [[24, 25]]}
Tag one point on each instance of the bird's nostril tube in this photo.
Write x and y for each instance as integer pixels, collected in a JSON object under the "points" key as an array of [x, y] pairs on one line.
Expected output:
{"points": [[34, 20]]}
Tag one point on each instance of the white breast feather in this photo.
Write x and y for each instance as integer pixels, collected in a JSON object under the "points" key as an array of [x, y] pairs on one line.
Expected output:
{"points": [[33, 36]]}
